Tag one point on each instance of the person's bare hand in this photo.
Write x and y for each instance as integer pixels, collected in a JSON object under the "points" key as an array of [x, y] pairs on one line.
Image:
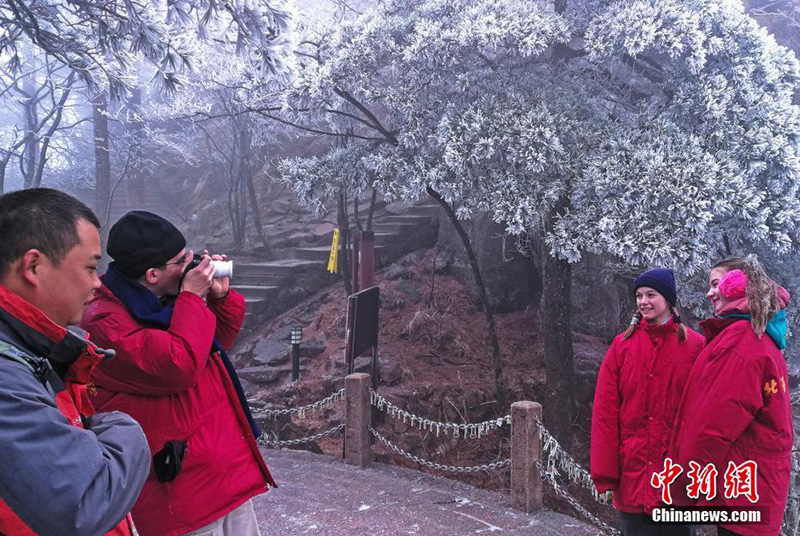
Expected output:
{"points": [[198, 281], [219, 287]]}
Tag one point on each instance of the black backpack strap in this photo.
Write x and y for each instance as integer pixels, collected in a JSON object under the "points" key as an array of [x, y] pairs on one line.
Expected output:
{"points": [[40, 366]]}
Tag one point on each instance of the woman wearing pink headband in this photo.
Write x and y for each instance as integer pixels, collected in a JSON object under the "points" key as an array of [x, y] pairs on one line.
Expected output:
{"points": [[735, 415]]}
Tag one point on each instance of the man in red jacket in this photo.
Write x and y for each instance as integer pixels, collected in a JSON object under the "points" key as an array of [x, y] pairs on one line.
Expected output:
{"points": [[170, 328]]}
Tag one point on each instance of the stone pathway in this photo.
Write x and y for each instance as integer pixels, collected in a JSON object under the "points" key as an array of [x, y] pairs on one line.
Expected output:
{"points": [[322, 496], [271, 287]]}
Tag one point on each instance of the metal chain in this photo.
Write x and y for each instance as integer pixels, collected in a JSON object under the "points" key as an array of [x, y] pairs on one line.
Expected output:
{"points": [[558, 458], [551, 479], [265, 441], [324, 403], [470, 430], [500, 464]]}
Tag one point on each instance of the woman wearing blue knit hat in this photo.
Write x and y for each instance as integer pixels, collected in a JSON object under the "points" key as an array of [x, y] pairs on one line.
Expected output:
{"points": [[638, 391]]}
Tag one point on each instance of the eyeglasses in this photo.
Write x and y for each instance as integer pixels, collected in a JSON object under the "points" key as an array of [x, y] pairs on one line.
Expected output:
{"points": [[179, 261]]}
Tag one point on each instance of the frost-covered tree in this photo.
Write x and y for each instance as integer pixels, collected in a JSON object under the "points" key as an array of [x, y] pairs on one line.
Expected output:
{"points": [[102, 39], [658, 131], [39, 106], [209, 126]]}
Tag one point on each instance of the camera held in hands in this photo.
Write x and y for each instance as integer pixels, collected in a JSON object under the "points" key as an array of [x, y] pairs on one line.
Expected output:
{"points": [[223, 268]]}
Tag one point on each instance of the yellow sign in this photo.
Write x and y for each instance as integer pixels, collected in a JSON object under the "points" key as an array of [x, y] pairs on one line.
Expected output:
{"points": [[333, 260]]}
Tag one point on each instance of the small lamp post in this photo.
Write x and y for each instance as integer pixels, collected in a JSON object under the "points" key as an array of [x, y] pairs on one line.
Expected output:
{"points": [[297, 338]]}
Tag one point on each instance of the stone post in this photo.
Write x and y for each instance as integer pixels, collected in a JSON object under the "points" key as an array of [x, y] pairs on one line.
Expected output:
{"points": [[526, 450], [357, 419]]}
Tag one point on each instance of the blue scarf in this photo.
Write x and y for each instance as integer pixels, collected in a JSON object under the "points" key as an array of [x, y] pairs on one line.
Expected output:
{"points": [[146, 308]]}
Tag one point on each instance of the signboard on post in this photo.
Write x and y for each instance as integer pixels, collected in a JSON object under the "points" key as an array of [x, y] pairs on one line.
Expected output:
{"points": [[362, 315]]}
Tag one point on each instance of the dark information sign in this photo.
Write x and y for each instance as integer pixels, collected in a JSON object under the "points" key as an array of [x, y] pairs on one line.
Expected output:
{"points": [[362, 313]]}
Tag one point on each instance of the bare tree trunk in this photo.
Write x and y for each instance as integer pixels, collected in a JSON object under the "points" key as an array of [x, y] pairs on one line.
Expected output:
{"points": [[102, 167], [30, 149], [136, 129], [249, 166], [257, 216], [355, 214], [235, 195], [344, 246], [371, 208], [54, 124], [534, 271], [559, 411], [500, 387], [3, 166]]}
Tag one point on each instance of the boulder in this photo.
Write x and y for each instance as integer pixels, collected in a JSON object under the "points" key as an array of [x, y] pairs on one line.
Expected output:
{"points": [[363, 364], [411, 292], [312, 348], [260, 375], [391, 373], [395, 272], [271, 352]]}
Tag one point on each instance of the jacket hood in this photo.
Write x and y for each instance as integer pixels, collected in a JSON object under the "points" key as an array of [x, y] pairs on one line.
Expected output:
{"points": [[26, 324], [777, 326]]}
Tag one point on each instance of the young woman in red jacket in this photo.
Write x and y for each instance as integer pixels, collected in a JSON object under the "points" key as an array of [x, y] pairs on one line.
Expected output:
{"points": [[638, 391], [736, 413]]}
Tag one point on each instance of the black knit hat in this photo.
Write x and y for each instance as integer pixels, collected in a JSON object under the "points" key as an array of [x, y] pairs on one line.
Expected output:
{"points": [[661, 280], [142, 240]]}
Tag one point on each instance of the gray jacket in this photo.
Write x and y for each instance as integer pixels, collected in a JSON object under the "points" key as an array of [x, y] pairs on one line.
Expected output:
{"points": [[61, 480]]}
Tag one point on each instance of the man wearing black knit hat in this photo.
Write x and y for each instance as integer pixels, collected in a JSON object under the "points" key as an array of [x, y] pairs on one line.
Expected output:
{"points": [[170, 327]]}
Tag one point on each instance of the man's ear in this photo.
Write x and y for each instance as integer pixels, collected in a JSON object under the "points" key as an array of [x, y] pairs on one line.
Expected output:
{"points": [[151, 276], [30, 266]]}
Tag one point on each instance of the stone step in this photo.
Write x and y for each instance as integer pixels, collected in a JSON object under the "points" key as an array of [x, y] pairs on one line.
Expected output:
{"points": [[321, 253], [393, 227], [256, 291], [381, 237], [268, 280], [407, 219], [426, 210], [284, 267], [363, 207], [255, 305]]}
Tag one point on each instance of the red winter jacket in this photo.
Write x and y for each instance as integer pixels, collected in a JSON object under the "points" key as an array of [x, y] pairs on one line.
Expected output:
{"points": [[177, 390], [638, 391], [61, 480], [736, 408]]}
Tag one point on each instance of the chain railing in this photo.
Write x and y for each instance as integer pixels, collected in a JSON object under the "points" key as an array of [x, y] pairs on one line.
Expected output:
{"points": [[457, 430], [559, 459], [273, 441], [326, 402], [493, 466], [550, 477], [471, 430]]}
